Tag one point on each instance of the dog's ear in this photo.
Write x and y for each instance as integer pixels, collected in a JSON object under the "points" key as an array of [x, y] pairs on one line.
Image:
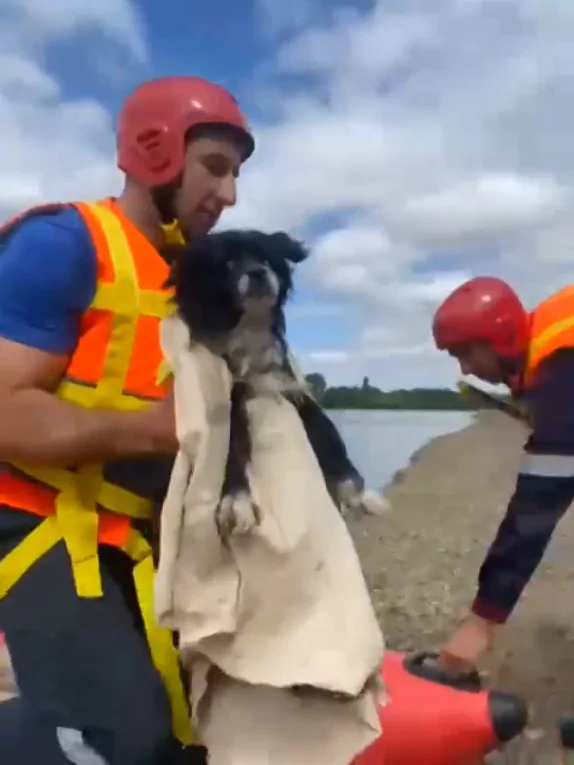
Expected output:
{"points": [[289, 248]]}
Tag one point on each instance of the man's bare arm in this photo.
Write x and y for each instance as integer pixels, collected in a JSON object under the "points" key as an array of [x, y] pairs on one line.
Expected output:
{"points": [[37, 427]]}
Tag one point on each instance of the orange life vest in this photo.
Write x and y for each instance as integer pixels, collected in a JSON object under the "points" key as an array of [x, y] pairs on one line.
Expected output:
{"points": [[117, 364], [551, 328]]}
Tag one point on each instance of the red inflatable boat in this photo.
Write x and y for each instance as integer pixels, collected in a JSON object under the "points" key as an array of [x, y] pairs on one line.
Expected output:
{"points": [[441, 719], [438, 718]]}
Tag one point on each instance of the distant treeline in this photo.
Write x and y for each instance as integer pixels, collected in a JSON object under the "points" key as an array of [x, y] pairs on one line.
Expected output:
{"points": [[366, 396]]}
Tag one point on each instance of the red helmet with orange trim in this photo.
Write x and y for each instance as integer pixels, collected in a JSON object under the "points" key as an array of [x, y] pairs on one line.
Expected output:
{"points": [[155, 121], [483, 309]]}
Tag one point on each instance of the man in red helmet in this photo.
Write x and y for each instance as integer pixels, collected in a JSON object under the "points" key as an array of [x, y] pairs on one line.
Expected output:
{"points": [[485, 327], [88, 436]]}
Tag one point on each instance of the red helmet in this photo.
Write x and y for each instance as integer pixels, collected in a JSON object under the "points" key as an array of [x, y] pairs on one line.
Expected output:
{"points": [[486, 309], [155, 119]]}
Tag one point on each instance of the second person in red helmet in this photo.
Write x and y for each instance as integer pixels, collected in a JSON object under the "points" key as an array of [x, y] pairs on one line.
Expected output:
{"points": [[88, 434], [485, 327]]}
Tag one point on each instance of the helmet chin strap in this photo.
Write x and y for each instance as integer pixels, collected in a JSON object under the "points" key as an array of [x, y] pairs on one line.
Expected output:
{"points": [[173, 233], [164, 200], [513, 369]]}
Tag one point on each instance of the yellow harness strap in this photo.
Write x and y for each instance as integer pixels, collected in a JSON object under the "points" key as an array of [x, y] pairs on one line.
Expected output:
{"points": [[173, 233], [160, 641], [79, 493]]}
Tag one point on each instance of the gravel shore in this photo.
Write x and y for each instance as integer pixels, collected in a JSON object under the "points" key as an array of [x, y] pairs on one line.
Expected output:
{"points": [[421, 563]]}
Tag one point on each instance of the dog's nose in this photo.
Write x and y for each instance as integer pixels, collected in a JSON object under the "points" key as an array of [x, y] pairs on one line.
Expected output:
{"points": [[256, 271], [258, 279]]}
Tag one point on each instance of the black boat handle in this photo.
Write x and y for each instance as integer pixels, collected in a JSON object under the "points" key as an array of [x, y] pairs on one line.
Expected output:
{"points": [[424, 664]]}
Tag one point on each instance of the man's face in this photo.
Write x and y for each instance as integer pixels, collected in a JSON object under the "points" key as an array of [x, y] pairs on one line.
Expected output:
{"points": [[209, 179], [480, 360]]}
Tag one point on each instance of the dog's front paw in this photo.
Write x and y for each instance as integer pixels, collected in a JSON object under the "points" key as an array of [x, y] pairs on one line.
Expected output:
{"points": [[374, 503], [237, 514], [353, 497]]}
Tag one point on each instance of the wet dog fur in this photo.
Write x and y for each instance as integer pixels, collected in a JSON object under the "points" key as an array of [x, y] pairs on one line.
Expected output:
{"points": [[231, 289]]}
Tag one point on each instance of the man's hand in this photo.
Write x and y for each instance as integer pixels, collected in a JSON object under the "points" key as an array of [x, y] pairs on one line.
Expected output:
{"points": [[159, 425], [40, 428], [470, 641]]}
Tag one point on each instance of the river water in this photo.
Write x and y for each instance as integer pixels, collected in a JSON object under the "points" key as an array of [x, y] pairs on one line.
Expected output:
{"points": [[382, 442]]}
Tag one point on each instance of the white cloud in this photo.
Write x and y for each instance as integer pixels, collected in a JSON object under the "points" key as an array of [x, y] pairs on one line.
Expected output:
{"points": [[427, 127], [41, 22], [53, 148], [423, 129], [280, 16], [328, 357], [306, 311], [486, 206], [353, 260]]}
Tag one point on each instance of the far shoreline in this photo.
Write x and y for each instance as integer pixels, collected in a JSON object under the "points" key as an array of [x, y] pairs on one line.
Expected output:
{"points": [[367, 397]]}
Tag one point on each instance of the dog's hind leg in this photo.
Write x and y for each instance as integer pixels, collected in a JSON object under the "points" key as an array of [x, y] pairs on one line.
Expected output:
{"points": [[344, 482], [237, 513]]}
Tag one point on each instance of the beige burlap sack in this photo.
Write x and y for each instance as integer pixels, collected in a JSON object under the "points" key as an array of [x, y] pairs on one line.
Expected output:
{"points": [[7, 680], [281, 605]]}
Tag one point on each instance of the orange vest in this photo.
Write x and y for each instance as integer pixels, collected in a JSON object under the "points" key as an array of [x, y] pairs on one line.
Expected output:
{"points": [[551, 328], [117, 364], [120, 329]]}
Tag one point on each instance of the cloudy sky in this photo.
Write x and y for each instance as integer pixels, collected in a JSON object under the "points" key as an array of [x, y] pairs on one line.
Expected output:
{"points": [[413, 143]]}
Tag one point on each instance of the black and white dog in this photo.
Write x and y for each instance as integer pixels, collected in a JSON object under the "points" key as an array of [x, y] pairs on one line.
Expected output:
{"points": [[230, 289]]}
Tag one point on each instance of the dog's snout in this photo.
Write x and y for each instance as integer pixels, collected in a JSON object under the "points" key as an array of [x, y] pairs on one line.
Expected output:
{"points": [[258, 281], [256, 271]]}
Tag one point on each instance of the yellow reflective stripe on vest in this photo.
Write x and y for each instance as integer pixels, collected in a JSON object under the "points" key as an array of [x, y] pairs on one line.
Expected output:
{"points": [[76, 504], [539, 341], [155, 304], [160, 640], [80, 492], [83, 396]]}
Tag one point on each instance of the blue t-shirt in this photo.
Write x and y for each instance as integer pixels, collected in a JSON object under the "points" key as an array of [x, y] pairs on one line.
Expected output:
{"points": [[47, 280]]}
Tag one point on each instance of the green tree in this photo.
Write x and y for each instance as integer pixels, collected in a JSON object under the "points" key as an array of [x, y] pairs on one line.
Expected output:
{"points": [[366, 396], [317, 383]]}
